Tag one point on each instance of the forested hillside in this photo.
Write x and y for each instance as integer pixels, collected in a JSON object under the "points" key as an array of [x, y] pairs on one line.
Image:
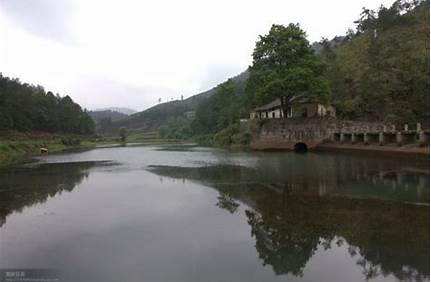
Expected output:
{"points": [[98, 116], [169, 112], [122, 110], [25, 107], [381, 72], [378, 72]]}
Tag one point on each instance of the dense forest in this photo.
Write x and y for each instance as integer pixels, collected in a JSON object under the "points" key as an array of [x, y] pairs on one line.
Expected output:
{"points": [[25, 107], [381, 71]]}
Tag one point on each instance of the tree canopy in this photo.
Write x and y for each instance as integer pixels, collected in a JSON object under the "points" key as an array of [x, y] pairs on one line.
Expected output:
{"points": [[25, 107], [382, 71], [284, 64]]}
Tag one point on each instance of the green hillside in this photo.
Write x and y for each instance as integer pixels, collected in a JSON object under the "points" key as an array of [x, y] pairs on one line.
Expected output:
{"points": [[380, 72], [105, 118], [25, 108], [154, 117], [122, 110], [111, 115]]}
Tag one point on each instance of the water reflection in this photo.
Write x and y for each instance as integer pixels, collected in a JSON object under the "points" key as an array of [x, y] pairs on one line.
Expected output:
{"points": [[25, 186], [326, 217], [344, 174], [292, 213]]}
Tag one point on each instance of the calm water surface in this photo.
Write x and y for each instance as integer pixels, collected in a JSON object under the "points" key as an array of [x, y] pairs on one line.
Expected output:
{"points": [[183, 213]]}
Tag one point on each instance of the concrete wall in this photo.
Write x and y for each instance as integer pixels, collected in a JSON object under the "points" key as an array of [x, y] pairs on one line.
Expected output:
{"points": [[362, 126], [285, 133]]}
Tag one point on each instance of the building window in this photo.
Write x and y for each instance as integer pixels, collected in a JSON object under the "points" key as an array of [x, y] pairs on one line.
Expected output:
{"points": [[273, 114], [304, 112]]}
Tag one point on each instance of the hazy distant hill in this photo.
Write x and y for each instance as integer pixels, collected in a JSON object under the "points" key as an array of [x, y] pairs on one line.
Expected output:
{"points": [[113, 116], [123, 110], [155, 116]]}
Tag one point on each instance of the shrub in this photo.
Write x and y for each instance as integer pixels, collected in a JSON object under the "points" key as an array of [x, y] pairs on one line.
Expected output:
{"points": [[70, 141]]}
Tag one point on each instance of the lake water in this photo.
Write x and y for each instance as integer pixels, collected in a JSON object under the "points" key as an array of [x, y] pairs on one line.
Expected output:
{"points": [[185, 213]]}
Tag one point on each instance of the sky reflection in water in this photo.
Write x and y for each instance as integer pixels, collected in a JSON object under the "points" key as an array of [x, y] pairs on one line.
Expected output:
{"points": [[201, 214]]}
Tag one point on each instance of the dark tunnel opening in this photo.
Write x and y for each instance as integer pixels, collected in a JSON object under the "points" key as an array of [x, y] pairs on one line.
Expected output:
{"points": [[300, 147]]}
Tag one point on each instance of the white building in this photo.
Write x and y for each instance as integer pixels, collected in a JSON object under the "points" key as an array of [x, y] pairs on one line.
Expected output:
{"points": [[297, 106]]}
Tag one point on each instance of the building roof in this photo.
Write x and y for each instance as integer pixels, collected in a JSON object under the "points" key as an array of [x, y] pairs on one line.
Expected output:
{"points": [[297, 99], [272, 105], [301, 99]]}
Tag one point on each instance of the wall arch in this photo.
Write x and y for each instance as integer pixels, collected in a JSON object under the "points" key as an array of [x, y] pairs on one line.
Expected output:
{"points": [[300, 147]]}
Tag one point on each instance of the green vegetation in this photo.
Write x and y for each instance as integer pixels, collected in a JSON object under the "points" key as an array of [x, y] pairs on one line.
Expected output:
{"points": [[154, 117], [176, 128], [123, 134], [164, 114], [381, 72], [17, 146], [216, 121], [221, 110], [25, 107], [284, 64], [104, 119], [31, 119]]}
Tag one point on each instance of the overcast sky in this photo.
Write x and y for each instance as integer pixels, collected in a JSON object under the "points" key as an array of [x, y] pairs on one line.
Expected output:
{"points": [[129, 53]]}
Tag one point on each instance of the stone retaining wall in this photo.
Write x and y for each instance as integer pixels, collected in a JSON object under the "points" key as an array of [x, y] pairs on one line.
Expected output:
{"points": [[285, 133]]}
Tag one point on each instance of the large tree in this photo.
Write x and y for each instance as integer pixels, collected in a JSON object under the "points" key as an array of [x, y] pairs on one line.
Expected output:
{"points": [[284, 64]]}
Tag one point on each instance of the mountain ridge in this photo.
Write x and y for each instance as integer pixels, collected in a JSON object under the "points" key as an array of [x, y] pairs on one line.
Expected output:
{"points": [[157, 115], [122, 110]]}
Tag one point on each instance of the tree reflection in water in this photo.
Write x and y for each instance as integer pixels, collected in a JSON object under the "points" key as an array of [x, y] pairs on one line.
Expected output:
{"points": [[25, 186], [227, 202], [384, 236]]}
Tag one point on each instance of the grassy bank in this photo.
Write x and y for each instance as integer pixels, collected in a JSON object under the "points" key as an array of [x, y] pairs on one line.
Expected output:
{"points": [[19, 147]]}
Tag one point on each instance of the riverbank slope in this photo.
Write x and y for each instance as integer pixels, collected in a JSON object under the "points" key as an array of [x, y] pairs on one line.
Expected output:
{"points": [[17, 147]]}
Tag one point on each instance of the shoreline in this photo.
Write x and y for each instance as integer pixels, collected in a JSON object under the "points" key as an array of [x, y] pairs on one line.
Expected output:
{"points": [[375, 149], [13, 152], [279, 144]]}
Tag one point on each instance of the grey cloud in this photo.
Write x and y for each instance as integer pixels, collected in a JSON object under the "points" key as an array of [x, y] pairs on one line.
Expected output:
{"points": [[45, 18]]}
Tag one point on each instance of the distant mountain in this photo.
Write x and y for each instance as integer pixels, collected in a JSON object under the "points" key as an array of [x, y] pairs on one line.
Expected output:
{"points": [[110, 115], [157, 115], [123, 110]]}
